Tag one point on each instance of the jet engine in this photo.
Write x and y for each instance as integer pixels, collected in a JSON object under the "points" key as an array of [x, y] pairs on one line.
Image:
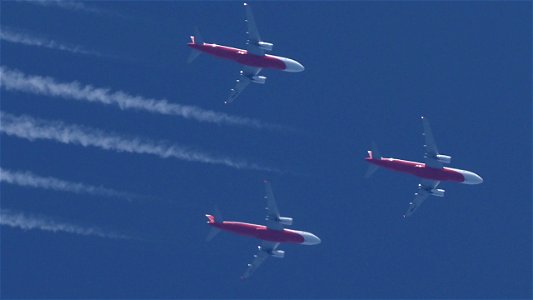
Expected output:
{"points": [[433, 192], [277, 253], [285, 221], [258, 79], [445, 159], [265, 46], [437, 192]]}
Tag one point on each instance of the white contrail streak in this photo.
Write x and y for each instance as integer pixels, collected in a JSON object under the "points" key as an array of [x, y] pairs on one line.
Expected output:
{"points": [[18, 37], [29, 179], [29, 221], [70, 5], [47, 86], [33, 129]]}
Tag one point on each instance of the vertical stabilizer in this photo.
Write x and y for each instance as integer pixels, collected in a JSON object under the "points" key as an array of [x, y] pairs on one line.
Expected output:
{"points": [[373, 154], [213, 231], [196, 39], [211, 220]]}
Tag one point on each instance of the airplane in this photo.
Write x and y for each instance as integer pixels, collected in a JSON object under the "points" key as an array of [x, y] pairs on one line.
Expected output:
{"points": [[432, 171], [253, 58], [272, 235]]}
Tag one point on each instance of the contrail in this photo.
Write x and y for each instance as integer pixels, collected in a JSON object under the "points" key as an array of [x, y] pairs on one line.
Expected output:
{"points": [[33, 129], [65, 4], [29, 221], [47, 86], [32, 180], [18, 37]]}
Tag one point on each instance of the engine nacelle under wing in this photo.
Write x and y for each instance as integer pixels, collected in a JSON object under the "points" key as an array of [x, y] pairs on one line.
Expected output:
{"points": [[285, 221], [437, 192], [433, 192], [258, 79], [445, 159], [277, 253], [265, 46]]}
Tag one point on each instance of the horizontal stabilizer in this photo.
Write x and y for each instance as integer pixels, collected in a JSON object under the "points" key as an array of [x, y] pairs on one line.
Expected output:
{"points": [[371, 170], [194, 54], [212, 233], [212, 220]]}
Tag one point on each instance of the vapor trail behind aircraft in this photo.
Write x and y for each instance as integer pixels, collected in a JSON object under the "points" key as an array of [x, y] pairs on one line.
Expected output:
{"points": [[20, 37], [68, 5], [28, 179], [34, 129], [31, 222], [14, 80]]}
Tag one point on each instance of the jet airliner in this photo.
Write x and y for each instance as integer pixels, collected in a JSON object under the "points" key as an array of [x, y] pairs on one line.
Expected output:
{"points": [[432, 171], [271, 235], [253, 58]]}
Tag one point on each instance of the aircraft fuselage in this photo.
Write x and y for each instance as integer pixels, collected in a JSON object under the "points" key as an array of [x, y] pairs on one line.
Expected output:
{"points": [[264, 233], [244, 58], [419, 169]]}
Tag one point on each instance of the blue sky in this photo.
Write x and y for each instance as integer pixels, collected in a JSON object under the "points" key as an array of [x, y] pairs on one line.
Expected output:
{"points": [[130, 188]]}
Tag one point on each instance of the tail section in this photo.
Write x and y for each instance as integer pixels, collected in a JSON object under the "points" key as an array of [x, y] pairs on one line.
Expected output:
{"points": [[196, 39], [373, 154], [211, 220]]}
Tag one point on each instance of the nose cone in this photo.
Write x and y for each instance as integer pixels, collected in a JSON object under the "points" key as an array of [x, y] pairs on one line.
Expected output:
{"points": [[292, 66], [310, 239], [471, 178]]}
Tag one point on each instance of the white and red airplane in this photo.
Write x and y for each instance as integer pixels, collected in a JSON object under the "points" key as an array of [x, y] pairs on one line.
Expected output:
{"points": [[253, 58], [432, 171], [272, 234]]}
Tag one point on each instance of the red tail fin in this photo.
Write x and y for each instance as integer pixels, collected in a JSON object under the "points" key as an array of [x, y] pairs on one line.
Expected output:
{"points": [[210, 219], [192, 39]]}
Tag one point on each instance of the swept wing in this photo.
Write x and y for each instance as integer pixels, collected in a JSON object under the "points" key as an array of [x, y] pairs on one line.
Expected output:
{"points": [[253, 34], [423, 192], [430, 147], [246, 77], [273, 216], [263, 252]]}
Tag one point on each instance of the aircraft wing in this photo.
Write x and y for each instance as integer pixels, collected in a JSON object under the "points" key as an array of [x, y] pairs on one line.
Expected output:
{"points": [[430, 147], [262, 254], [242, 82], [272, 209], [252, 32], [420, 196]]}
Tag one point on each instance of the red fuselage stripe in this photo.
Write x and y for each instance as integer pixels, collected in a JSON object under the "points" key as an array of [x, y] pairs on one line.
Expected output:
{"points": [[260, 232], [241, 56], [418, 169]]}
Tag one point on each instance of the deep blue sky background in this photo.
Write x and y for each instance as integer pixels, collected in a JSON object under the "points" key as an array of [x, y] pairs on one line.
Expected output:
{"points": [[372, 69]]}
